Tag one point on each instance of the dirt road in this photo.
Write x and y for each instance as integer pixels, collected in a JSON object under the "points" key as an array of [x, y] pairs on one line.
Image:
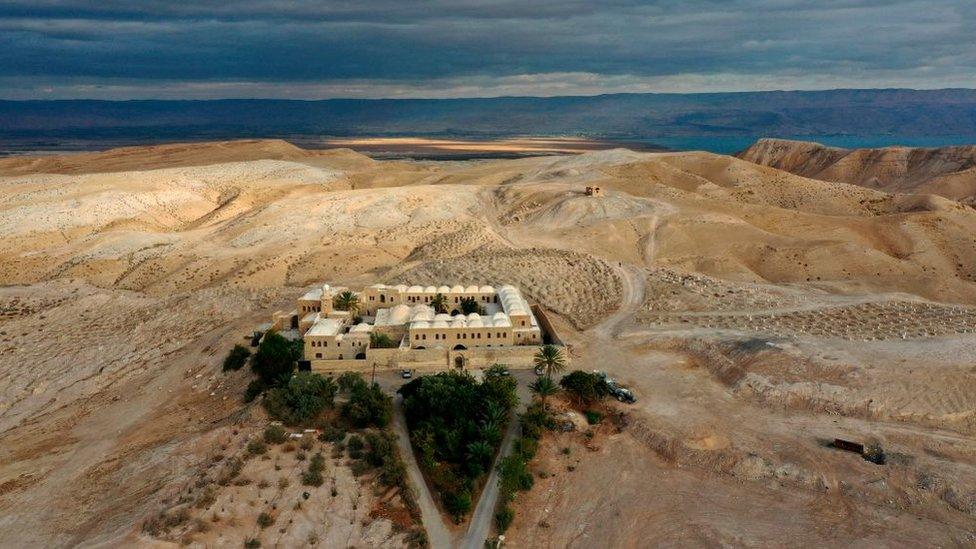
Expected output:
{"points": [[480, 523], [438, 534]]}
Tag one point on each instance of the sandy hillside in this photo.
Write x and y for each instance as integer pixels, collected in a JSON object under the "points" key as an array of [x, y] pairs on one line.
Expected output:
{"points": [[945, 171], [756, 313]]}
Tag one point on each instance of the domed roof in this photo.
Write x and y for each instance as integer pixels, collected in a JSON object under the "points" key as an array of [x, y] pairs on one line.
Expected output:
{"points": [[423, 314], [458, 322], [476, 323], [499, 316], [415, 290], [421, 324], [502, 323], [401, 288], [430, 290], [443, 290], [361, 327], [439, 324], [473, 316], [471, 290], [399, 314], [486, 290], [443, 316], [457, 289]]}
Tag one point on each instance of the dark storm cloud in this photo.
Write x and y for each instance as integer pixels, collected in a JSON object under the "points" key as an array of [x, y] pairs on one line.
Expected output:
{"points": [[401, 45]]}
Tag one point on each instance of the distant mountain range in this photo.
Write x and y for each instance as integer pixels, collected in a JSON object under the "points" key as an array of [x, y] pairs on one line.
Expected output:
{"points": [[897, 112]]}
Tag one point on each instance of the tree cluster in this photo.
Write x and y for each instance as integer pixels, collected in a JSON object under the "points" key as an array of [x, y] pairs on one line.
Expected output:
{"points": [[456, 425]]}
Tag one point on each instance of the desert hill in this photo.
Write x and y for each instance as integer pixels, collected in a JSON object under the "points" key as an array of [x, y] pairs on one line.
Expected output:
{"points": [[754, 311], [943, 171]]}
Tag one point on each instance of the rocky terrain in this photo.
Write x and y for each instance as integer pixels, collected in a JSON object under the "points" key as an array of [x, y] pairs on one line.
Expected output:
{"points": [[946, 171], [757, 314]]}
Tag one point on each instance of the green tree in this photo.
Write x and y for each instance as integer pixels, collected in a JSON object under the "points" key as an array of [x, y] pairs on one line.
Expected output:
{"points": [[304, 396], [368, 406], [274, 360], [479, 452], [544, 388], [584, 387], [470, 305], [439, 303], [346, 301], [550, 360], [236, 358]]}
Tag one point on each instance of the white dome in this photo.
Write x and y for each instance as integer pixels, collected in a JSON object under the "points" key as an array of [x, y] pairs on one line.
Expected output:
{"points": [[443, 290], [430, 290], [471, 290], [443, 316], [361, 327], [401, 288], [457, 289], [476, 323], [487, 290], [415, 290], [399, 314], [458, 322], [502, 323], [499, 316], [419, 324], [473, 316], [439, 324]]}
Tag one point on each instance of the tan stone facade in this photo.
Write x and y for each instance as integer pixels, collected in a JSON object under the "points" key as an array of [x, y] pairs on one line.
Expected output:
{"points": [[499, 326]]}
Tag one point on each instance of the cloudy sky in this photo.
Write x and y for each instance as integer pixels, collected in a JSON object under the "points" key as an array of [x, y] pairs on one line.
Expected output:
{"points": [[119, 49]]}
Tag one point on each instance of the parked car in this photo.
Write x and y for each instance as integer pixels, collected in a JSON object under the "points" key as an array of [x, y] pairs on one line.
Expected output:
{"points": [[406, 374], [620, 393]]}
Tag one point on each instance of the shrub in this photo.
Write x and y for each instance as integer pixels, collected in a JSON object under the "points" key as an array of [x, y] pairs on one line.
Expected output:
{"points": [[306, 443], [380, 448], [458, 504], [274, 360], [526, 447], [312, 478], [332, 434], [348, 380], [355, 447], [265, 520], [236, 358], [252, 543], [360, 468], [514, 475], [275, 434], [317, 463], [302, 398], [254, 388], [593, 417], [256, 447], [585, 387], [535, 420], [504, 518], [378, 340]]}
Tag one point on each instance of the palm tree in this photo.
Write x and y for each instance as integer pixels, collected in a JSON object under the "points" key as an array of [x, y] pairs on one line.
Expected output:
{"points": [[346, 301], [549, 360], [494, 412], [480, 452], [439, 303], [544, 387]]}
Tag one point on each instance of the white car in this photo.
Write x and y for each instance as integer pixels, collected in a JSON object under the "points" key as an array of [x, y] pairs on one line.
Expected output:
{"points": [[406, 374]]}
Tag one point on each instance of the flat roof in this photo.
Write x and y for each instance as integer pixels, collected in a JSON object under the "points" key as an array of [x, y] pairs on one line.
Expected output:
{"points": [[324, 327]]}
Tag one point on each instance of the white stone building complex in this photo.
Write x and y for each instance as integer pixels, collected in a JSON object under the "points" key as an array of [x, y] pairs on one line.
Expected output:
{"points": [[417, 327]]}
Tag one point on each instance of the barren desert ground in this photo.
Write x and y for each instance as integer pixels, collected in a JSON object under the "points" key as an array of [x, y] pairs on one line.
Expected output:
{"points": [[756, 314]]}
